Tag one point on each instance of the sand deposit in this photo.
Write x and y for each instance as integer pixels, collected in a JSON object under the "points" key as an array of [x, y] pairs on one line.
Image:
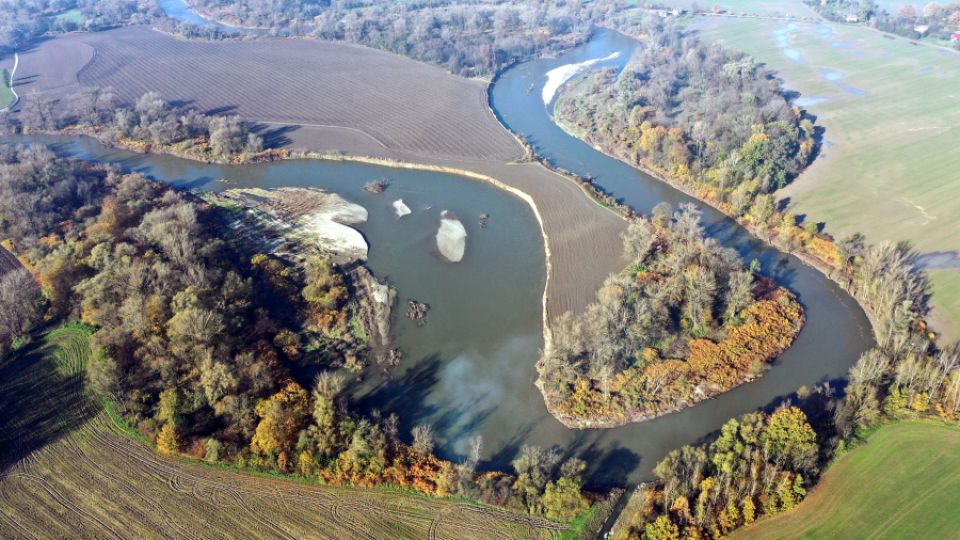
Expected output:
{"points": [[400, 208], [557, 76], [451, 237], [368, 103]]}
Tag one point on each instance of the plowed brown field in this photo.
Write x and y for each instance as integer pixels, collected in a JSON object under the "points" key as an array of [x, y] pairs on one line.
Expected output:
{"points": [[340, 98], [67, 472]]}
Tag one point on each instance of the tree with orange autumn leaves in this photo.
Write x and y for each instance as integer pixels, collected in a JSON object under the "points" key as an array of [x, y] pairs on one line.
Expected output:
{"points": [[200, 359], [684, 323]]}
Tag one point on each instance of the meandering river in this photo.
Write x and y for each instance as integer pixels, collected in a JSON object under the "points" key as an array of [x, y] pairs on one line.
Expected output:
{"points": [[470, 370]]}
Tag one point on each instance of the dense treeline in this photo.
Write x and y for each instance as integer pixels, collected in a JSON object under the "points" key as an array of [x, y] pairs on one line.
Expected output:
{"points": [[906, 376], [19, 304], [150, 123], [684, 323], [759, 465], [199, 344], [940, 21], [698, 114], [184, 338], [752, 142], [23, 20], [763, 464], [470, 38]]}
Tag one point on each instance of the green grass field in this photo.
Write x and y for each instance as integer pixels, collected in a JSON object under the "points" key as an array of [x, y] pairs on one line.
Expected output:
{"points": [[779, 8], [903, 483], [70, 16], [6, 95], [891, 110]]}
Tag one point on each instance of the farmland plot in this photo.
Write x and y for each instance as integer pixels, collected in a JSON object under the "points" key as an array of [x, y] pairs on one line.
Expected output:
{"points": [[888, 166], [67, 471], [871, 493], [350, 100]]}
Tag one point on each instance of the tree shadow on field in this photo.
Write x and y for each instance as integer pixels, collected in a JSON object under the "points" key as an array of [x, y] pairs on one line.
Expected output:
{"points": [[32, 45], [216, 111], [39, 402], [274, 137]]}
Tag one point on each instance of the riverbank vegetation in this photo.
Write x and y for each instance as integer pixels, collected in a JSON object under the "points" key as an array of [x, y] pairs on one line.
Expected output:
{"points": [[150, 123], [713, 489], [199, 343], [23, 21], [685, 322], [697, 114], [937, 21], [473, 39], [758, 466]]}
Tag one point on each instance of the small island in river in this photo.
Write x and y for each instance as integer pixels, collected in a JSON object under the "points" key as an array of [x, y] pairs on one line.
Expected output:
{"points": [[686, 322]]}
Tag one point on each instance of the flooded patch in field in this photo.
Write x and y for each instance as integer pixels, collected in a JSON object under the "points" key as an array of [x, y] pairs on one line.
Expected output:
{"points": [[783, 42], [840, 44], [809, 101], [939, 260], [927, 69], [831, 74], [853, 90]]}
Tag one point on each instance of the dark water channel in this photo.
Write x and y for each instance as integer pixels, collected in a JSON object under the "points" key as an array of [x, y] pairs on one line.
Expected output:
{"points": [[470, 370], [837, 330]]}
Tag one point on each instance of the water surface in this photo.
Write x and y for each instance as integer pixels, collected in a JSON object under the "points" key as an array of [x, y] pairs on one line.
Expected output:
{"points": [[181, 11], [837, 330], [470, 370]]}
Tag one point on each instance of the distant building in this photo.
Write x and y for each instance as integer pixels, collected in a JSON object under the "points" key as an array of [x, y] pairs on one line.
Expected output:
{"points": [[921, 29], [853, 18]]}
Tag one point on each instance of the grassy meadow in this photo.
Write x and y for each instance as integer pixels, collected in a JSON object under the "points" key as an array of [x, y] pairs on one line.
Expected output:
{"points": [[778, 8], [6, 94], [891, 112], [904, 483]]}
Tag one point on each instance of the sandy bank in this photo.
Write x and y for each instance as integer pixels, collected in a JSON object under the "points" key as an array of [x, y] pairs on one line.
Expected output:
{"points": [[451, 237], [330, 227], [557, 76], [311, 217]]}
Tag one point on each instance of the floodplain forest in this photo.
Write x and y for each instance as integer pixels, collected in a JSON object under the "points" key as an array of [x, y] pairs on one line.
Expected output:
{"points": [[200, 340]]}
